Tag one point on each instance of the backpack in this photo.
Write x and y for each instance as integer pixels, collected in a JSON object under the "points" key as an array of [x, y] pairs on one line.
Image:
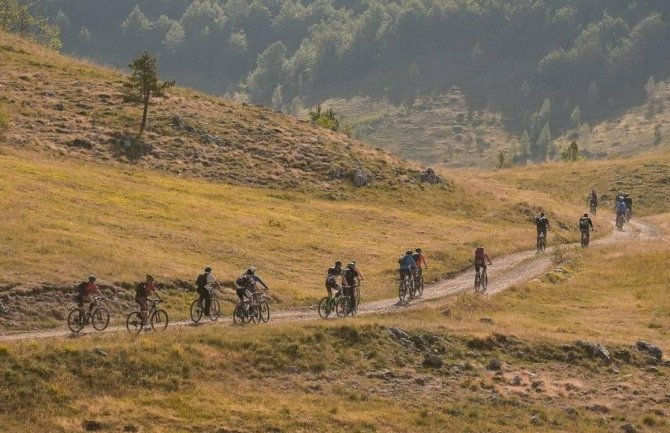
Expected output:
{"points": [[242, 280], [81, 288], [584, 223], [139, 290], [201, 282], [621, 207]]}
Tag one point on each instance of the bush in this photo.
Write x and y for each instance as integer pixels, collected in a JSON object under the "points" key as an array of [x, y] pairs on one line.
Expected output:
{"points": [[4, 120], [327, 118]]}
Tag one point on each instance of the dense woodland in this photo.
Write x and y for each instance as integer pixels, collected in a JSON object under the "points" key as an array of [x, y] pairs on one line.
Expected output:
{"points": [[546, 64]]}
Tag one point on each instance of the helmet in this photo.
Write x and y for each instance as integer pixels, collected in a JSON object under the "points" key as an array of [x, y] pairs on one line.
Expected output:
{"points": [[354, 262], [418, 250], [351, 265], [251, 271], [541, 214], [586, 215], [91, 278], [626, 195], [338, 264], [408, 252], [149, 278], [208, 269]]}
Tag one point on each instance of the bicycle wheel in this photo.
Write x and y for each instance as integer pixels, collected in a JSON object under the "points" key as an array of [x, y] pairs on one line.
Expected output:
{"points": [[543, 244], [477, 282], [215, 310], [264, 311], [134, 322], [411, 282], [75, 320], [100, 318], [419, 285], [253, 314], [342, 307], [402, 290], [325, 307], [196, 311], [358, 294], [238, 315], [484, 283], [159, 320]]}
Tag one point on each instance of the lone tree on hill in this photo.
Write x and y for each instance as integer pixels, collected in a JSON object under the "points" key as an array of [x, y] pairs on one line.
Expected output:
{"points": [[142, 84]]}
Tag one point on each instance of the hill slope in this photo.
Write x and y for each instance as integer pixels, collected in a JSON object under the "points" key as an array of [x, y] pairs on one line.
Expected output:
{"points": [[66, 107]]}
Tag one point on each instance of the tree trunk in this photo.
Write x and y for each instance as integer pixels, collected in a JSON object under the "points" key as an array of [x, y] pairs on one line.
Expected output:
{"points": [[144, 117]]}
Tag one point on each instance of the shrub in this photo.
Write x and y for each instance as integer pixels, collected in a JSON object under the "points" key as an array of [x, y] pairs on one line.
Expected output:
{"points": [[327, 118], [4, 120]]}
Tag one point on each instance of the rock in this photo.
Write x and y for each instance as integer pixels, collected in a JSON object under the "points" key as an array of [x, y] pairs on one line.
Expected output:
{"points": [[60, 106], [623, 355], [209, 139], [433, 361], [598, 408], [654, 351], [177, 122], [383, 374], [571, 411], [420, 381], [487, 320], [359, 178], [3, 309], [653, 370], [92, 425], [594, 350], [429, 176], [80, 143], [628, 428], [537, 385], [494, 364], [535, 420], [189, 128], [100, 352], [337, 173], [399, 334], [446, 312], [516, 381]]}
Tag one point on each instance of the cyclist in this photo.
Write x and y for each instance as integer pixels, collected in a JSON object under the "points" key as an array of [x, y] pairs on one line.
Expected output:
{"points": [[593, 200], [142, 292], [585, 225], [84, 291], [350, 279], [247, 284], [481, 258], [205, 283], [331, 282], [358, 271], [338, 267], [420, 260], [542, 223], [407, 265], [621, 210], [629, 204]]}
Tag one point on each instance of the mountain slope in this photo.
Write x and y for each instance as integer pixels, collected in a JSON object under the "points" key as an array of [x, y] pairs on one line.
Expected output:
{"points": [[66, 107]]}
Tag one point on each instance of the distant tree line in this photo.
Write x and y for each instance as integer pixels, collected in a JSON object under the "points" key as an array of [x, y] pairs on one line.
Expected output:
{"points": [[594, 54]]}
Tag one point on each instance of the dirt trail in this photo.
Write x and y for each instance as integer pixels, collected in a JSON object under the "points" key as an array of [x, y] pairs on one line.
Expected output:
{"points": [[505, 272]]}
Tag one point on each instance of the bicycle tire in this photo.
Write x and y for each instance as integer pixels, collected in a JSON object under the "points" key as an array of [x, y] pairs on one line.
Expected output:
{"points": [[215, 310], [134, 322], [253, 315], [100, 319], [196, 311], [419, 288], [358, 294], [238, 315], [542, 244], [75, 320], [159, 320], [485, 282], [402, 290], [264, 311], [477, 282], [412, 287], [325, 307], [342, 307]]}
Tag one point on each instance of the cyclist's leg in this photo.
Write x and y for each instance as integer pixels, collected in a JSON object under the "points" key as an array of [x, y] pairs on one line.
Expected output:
{"points": [[208, 301], [142, 301], [240, 293]]}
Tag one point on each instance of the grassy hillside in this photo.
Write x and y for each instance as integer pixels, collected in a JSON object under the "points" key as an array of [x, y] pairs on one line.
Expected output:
{"points": [[645, 177], [330, 377], [61, 106]]}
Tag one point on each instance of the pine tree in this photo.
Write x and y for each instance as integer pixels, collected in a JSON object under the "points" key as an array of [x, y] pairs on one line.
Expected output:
{"points": [[576, 117], [143, 84]]}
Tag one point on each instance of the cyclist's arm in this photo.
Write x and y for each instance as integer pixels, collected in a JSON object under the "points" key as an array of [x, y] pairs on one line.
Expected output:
{"points": [[487, 258], [360, 274], [258, 279]]}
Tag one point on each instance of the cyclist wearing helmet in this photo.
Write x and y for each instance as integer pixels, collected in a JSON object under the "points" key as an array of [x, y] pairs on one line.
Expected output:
{"points": [[350, 279], [358, 271], [331, 282], [407, 265], [420, 260], [481, 258], [585, 225], [338, 267], [542, 223], [629, 204], [142, 292], [84, 291], [593, 199], [247, 284], [205, 283]]}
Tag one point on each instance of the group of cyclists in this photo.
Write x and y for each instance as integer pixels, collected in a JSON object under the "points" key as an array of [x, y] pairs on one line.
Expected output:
{"points": [[346, 280]]}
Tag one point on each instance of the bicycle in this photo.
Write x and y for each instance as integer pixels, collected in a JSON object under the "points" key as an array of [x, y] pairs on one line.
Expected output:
{"points": [[198, 309], [586, 237], [78, 318], [338, 302], [157, 317], [418, 283], [541, 242], [620, 219], [406, 287], [593, 207], [481, 280]]}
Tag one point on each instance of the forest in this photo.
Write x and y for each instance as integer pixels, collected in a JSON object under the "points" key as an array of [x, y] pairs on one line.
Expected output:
{"points": [[514, 55]]}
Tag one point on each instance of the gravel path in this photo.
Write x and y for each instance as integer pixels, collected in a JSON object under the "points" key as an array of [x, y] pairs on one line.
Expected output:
{"points": [[505, 272]]}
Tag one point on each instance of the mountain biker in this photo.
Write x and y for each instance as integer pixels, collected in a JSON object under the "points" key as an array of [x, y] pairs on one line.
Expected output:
{"points": [[351, 280], [593, 199], [584, 224], [205, 283], [142, 292], [481, 258], [84, 291], [621, 209], [407, 265], [420, 260], [629, 204], [247, 284], [331, 282], [542, 224], [358, 271], [338, 267]]}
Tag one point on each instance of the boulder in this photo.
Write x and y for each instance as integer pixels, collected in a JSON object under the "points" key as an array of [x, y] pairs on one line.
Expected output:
{"points": [[429, 176], [594, 350], [494, 365], [432, 361], [399, 334], [628, 428], [60, 106], [654, 351], [359, 178]]}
